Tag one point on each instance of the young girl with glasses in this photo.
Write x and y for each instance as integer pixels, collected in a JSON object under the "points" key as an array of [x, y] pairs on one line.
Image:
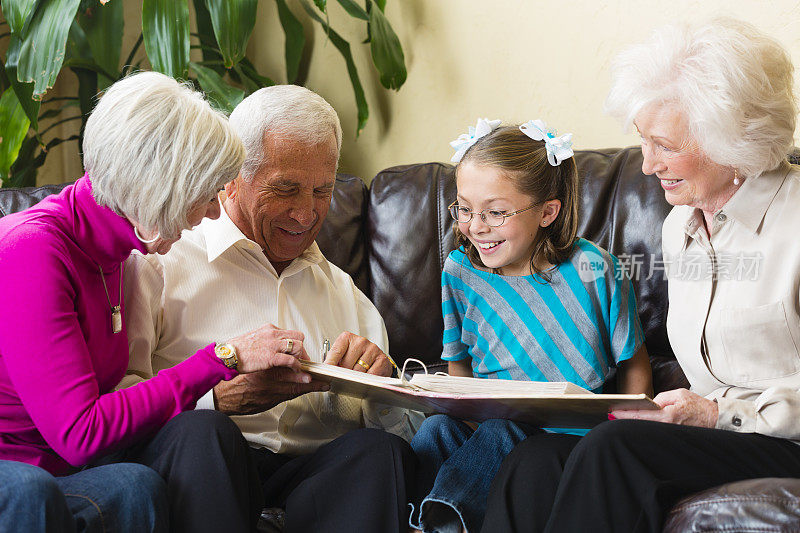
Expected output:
{"points": [[522, 299]]}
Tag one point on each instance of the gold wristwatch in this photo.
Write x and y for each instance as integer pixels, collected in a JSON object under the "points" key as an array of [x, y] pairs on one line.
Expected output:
{"points": [[227, 354]]}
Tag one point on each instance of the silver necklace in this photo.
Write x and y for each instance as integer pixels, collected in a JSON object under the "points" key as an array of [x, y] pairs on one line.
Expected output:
{"points": [[116, 310]]}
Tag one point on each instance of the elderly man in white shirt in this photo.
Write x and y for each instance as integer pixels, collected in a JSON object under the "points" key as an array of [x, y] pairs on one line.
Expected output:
{"points": [[316, 452]]}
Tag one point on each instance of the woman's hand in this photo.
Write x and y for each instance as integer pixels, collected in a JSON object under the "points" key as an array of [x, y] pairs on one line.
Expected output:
{"points": [[678, 406], [270, 347]]}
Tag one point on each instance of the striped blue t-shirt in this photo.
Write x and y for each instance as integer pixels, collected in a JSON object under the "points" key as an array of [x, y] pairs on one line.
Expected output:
{"points": [[522, 328]]}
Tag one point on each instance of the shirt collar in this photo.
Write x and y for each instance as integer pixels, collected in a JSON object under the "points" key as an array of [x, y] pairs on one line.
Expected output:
{"points": [[749, 204], [222, 233]]}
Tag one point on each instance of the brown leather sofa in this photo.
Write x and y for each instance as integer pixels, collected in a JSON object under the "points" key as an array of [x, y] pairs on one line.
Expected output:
{"points": [[393, 238]]}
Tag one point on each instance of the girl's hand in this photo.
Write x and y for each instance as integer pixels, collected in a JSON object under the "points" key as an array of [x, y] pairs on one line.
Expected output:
{"points": [[678, 406], [270, 347]]}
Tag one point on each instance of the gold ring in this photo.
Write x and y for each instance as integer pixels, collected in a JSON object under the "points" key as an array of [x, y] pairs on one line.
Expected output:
{"points": [[363, 364], [289, 345]]}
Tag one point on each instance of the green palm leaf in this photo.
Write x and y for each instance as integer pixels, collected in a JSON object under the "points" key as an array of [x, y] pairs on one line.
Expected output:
{"points": [[103, 26], [13, 127], [42, 49], [295, 40], [233, 22], [387, 52], [165, 27], [220, 94], [24, 91], [344, 48], [17, 12]]}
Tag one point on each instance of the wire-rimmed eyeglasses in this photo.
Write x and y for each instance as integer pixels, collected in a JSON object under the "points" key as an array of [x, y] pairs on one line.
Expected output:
{"points": [[490, 217]]}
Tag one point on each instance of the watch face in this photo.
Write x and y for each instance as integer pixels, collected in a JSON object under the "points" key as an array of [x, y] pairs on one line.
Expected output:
{"points": [[224, 351]]}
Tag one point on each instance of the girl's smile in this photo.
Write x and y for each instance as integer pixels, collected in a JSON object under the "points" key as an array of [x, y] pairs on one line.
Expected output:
{"points": [[510, 246]]}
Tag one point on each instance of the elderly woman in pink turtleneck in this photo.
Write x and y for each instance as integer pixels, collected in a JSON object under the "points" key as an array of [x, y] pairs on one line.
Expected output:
{"points": [[79, 453]]}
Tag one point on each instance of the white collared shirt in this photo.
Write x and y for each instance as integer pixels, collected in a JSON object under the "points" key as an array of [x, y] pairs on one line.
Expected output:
{"points": [[736, 334], [215, 284]]}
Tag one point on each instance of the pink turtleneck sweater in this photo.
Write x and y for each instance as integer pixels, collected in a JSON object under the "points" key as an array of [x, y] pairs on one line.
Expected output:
{"points": [[59, 359]]}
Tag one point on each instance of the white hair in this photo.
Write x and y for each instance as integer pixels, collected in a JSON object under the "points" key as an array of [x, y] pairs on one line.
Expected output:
{"points": [[289, 111], [154, 149], [732, 83]]}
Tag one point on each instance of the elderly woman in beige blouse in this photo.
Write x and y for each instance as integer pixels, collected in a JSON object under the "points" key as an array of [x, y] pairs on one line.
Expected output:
{"points": [[715, 110]]}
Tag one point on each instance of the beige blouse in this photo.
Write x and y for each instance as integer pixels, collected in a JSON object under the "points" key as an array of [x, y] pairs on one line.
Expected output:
{"points": [[734, 303]]}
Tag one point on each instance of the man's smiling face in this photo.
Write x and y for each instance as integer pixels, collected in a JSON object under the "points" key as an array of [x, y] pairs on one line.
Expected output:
{"points": [[283, 206]]}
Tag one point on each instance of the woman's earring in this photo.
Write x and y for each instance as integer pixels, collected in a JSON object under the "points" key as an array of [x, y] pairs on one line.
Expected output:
{"points": [[154, 239], [736, 177]]}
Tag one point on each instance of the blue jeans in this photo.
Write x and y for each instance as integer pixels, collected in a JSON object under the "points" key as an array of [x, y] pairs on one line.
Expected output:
{"points": [[456, 468], [120, 497]]}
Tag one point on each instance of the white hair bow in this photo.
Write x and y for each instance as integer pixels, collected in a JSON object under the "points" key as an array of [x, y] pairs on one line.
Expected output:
{"points": [[558, 148], [465, 140]]}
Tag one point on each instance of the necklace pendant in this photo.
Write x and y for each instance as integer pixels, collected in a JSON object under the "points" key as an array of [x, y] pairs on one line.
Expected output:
{"points": [[116, 319]]}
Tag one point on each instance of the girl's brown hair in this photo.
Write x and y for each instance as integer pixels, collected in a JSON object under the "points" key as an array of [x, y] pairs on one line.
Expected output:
{"points": [[524, 162]]}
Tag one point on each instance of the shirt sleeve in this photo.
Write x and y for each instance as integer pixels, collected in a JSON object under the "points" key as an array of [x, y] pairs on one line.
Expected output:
{"points": [[625, 329], [144, 287], [50, 367], [453, 349], [770, 412], [144, 319]]}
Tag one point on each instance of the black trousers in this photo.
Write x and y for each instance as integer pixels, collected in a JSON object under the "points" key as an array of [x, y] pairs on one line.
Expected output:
{"points": [[212, 483], [625, 475], [356, 483]]}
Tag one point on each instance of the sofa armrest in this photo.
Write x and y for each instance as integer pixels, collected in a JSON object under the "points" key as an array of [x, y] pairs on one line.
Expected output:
{"points": [[766, 504]]}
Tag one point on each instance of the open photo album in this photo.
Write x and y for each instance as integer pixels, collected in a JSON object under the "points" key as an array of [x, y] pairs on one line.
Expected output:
{"points": [[543, 403]]}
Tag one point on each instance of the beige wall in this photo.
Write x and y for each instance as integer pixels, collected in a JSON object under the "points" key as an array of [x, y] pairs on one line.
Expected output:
{"points": [[508, 59]]}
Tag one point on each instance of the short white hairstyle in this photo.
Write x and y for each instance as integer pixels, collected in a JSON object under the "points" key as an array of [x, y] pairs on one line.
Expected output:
{"points": [[288, 111], [733, 84], [154, 149]]}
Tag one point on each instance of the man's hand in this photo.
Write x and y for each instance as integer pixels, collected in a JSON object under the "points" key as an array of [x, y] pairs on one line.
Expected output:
{"points": [[247, 394], [348, 349], [679, 406]]}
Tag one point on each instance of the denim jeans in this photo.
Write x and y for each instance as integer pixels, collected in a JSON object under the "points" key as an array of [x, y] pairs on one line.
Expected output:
{"points": [[456, 468], [123, 497]]}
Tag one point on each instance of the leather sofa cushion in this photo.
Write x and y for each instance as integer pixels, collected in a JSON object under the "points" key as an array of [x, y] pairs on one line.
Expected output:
{"points": [[766, 504]]}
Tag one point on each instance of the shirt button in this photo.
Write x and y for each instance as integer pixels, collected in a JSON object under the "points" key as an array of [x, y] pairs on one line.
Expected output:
{"points": [[736, 421], [721, 217], [384, 412]]}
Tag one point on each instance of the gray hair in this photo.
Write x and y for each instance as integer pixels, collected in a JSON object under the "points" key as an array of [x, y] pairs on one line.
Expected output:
{"points": [[154, 149], [732, 82], [290, 111]]}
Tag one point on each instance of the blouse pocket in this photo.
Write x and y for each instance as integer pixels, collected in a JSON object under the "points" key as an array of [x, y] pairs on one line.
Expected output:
{"points": [[758, 343]]}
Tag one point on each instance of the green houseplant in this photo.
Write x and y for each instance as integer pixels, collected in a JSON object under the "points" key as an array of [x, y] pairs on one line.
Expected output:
{"points": [[42, 37]]}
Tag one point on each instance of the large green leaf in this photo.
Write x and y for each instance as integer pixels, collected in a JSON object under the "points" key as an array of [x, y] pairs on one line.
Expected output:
{"points": [[24, 91], [381, 4], [205, 32], [42, 51], [17, 12], [295, 40], [233, 22], [165, 27], [387, 52], [320, 4], [344, 48], [354, 10], [13, 127], [249, 76], [79, 50], [103, 26], [220, 94]]}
